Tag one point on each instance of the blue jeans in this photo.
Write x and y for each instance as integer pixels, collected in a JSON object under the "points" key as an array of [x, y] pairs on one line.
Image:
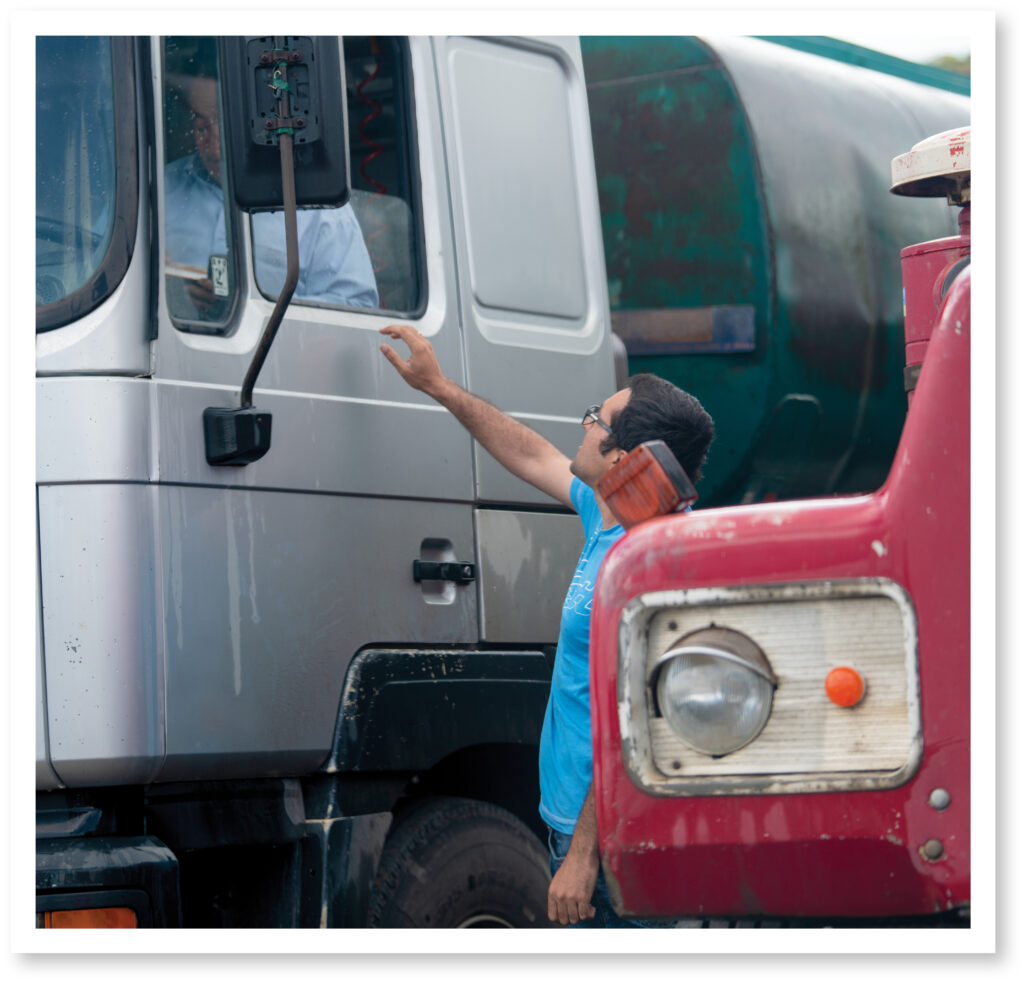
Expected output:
{"points": [[558, 847]]}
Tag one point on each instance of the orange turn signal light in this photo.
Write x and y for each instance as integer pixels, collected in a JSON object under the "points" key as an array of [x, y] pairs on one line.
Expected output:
{"points": [[106, 917], [844, 686], [647, 482]]}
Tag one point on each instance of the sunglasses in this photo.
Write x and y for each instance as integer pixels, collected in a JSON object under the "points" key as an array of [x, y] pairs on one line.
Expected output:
{"points": [[592, 416]]}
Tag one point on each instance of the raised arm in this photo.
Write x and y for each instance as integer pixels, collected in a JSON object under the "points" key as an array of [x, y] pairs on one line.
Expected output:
{"points": [[515, 446]]}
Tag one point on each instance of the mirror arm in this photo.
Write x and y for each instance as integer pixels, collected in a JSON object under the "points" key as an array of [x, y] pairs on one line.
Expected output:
{"points": [[292, 276]]}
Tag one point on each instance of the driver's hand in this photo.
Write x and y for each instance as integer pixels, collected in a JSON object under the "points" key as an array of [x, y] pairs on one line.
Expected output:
{"points": [[201, 294]]}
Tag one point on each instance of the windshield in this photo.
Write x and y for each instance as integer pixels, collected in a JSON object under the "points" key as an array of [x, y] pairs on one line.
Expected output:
{"points": [[76, 175]]}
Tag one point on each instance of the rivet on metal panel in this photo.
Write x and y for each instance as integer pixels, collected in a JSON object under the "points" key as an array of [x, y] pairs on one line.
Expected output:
{"points": [[939, 799], [932, 850]]}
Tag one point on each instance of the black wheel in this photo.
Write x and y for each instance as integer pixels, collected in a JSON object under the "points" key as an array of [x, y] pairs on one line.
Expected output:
{"points": [[454, 862]]}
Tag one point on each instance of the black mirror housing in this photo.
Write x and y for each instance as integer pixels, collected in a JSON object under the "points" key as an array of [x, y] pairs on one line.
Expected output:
{"points": [[316, 96], [235, 436]]}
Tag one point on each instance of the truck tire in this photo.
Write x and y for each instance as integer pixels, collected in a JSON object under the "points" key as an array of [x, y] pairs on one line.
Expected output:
{"points": [[455, 862]]}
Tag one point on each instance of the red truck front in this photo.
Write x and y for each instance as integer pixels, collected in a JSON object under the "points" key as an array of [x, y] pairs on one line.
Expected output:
{"points": [[781, 692]]}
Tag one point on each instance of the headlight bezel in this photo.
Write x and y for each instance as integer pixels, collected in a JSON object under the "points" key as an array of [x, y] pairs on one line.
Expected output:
{"points": [[886, 749]]}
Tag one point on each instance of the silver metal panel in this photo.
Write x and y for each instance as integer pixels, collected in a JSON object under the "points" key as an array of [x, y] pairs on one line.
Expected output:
{"points": [[321, 444], [808, 743], [367, 433], [525, 566], [268, 596], [528, 349], [93, 428], [495, 484], [103, 667]]}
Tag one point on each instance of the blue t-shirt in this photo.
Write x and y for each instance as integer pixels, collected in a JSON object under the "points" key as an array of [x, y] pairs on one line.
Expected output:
{"points": [[566, 755]]}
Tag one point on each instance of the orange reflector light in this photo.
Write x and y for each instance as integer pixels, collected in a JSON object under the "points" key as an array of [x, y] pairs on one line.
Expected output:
{"points": [[844, 686], [647, 482], [91, 917]]}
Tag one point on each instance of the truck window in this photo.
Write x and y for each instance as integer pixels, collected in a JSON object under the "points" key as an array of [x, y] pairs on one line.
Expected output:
{"points": [[363, 254], [86, 173], [516, 145], [200, 259]]}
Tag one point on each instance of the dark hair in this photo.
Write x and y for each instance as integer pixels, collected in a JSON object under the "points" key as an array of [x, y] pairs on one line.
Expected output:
{"points": [[659, 410]]}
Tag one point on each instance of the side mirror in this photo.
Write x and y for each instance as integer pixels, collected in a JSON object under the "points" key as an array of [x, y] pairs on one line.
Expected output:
{"points": [[284, 125], [316, 96]]}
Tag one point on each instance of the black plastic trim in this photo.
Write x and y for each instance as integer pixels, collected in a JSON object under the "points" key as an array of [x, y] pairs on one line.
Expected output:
{"points": [[102, 872], [214, 814], [227, 325], [144, 60], [408, 709], [408, 107]]}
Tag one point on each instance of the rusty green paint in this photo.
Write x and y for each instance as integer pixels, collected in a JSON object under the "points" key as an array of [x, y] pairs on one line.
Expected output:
{"points": [[684, 221], [732, 176]]}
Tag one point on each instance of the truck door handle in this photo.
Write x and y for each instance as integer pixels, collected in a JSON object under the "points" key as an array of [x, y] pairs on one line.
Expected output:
{"points": [[457, 572]]}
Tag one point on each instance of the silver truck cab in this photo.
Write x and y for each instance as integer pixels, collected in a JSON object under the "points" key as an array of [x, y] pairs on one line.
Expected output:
{"points": [[237, 661]]}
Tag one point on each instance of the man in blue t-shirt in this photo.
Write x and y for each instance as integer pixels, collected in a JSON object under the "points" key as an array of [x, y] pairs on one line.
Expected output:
{"points": [[649, 408]]}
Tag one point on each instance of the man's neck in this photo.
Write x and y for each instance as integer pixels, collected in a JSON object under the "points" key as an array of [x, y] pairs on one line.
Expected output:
{"points": [[610, 521]]}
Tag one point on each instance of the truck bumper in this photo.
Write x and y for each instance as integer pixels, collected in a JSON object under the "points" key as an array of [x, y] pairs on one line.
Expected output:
{"points": [[135, 873]]}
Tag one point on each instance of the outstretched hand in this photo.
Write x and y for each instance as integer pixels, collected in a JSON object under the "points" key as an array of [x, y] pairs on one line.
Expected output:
{"points": [[421, 369], [515, 446]]}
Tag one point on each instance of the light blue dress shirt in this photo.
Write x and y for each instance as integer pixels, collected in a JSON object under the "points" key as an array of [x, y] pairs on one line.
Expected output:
{"points": [[334, 266]]}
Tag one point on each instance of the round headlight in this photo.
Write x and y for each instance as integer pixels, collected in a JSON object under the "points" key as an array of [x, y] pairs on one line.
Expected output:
{"points": [[714, 687]]}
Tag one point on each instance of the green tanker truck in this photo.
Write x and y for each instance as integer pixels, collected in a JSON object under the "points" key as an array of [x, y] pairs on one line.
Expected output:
{"points": [[752, 245]]}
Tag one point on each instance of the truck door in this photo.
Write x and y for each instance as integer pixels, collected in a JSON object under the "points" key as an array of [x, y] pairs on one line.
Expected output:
{"points": [[532, 293], [274, 574]]}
